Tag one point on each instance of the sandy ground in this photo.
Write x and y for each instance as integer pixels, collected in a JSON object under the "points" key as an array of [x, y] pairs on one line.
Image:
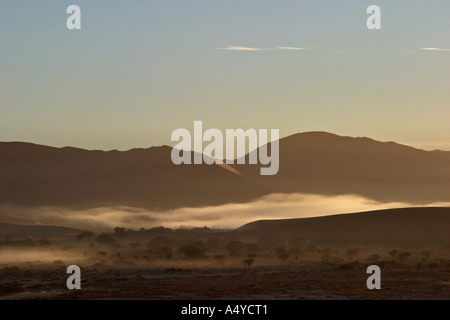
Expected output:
{"points": [[319, 281]]}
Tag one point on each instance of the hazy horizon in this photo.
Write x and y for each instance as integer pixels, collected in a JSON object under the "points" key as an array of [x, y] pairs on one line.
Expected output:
{"points": [[172, 143]]}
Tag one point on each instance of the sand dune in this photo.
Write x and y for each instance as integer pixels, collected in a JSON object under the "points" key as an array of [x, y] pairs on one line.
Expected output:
{"points": [[409, 225]]}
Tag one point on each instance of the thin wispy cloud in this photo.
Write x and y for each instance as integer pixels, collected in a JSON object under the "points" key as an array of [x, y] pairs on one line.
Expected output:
{"points": [[242, 48], [436, 49], [289, 48]]}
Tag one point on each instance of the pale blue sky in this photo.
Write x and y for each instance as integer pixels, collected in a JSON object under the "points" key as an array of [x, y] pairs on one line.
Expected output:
{"points": [[140, 69]]}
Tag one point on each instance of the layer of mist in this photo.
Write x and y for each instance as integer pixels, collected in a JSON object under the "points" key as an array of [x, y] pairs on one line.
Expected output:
{"points": [[233, 215]]}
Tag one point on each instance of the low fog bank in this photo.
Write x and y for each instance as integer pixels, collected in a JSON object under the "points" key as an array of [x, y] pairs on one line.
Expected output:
{"points": [[273, 206], [40, 254]]}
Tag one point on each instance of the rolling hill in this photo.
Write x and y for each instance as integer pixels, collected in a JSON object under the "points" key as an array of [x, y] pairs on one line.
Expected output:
{"points": [[313, 162], [34, 175], [12, 231]]}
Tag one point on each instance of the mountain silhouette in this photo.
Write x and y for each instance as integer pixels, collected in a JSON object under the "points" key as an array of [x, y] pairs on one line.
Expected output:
{"points": [[313, 162], [324, 163], [34, 175]]}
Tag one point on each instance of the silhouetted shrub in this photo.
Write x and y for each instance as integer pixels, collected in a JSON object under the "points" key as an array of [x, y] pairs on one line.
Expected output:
{"points": [[393, 254], [433, 266], [352, 252], [404, 256], [84, 235], [248, 262], [270, 242], [166, 252], [105, 239], [135, 245], [235, 246], [44, 243], [212, 243], [297, 242], [252, 247], [233, 253], [192, 252], [426, 255], [121, 233], [282, 253], [374, 257], [159, 241]]}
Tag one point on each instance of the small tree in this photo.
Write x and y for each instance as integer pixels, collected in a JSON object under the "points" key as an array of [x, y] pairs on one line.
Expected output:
{"points": [[106, 239], [404, 256], [426, 255], [351, 253], [297, 242], [120, 232], [252, 248], [393, 254], [159, 241], [252, 255], [374, 257], [192, 252], [212, 243], [84, 235], [282, 253], [248, 262], [270, 243], [219, 257], [135, 245], [44, 243], [166, 252], [433, 266], [236, 246]]}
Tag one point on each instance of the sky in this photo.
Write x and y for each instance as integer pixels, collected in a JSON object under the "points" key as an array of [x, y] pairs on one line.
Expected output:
{"points": [[137, 70]]}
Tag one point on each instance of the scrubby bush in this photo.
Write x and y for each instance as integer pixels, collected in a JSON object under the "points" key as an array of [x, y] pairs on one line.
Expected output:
{"points": [[135, 245], [84, 235], [248, 262], [393, 254], [106, 239], [404, 256], [192, 252], [282, 253], [166, 252], [374, 257], [236, 246], [352, 252]]}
